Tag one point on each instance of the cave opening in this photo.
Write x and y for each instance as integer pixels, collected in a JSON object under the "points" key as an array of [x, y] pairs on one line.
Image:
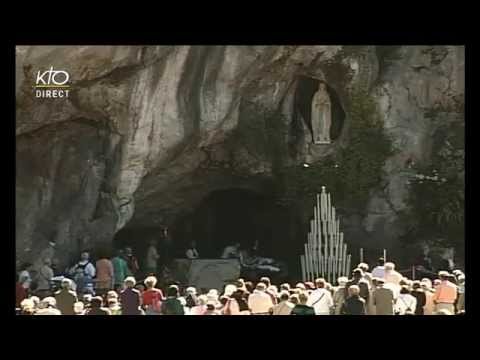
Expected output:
{"points": [[225, 217], [222, 218], [228, 216], [138, 238], [305, 90]]}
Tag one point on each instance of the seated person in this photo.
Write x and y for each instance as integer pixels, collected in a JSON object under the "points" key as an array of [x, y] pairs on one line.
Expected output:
{"points": [[257, 262], [246, 259], [192, 252], [231, 252]]}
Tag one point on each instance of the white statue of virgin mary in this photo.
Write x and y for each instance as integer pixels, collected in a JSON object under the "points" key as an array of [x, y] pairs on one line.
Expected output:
{"points": [[321, 115]]}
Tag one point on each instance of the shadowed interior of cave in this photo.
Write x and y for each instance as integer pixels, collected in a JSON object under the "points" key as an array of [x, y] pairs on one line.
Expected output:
{"points": [[223, 218], [235, 215], [306, 88]]}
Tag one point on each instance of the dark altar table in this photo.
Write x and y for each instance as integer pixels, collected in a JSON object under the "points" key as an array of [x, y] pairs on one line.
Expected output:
{"points": [[206, 273]]}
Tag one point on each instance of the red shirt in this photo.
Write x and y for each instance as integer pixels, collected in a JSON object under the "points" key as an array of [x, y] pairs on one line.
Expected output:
{"points": [[152, 294], [21, 294]]}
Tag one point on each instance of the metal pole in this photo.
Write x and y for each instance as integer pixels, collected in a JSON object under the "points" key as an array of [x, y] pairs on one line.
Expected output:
{"points": [[302, 262], [349, 259], [323, 204], [319, 234], [315, 238], [312, 251], [307, 262]]}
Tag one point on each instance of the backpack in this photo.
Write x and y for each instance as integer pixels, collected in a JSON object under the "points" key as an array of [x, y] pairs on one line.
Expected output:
{"points": [[191, 300], [408, 310], [81, 267], [242, 305]]}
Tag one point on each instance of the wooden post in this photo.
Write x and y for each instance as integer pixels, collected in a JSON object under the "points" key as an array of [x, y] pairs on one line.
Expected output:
{"points": [[385, 255], [361, 255], [413, 272]]}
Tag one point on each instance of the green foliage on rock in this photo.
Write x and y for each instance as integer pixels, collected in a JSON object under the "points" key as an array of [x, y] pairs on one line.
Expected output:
{"points": [[353, 171], [262, 133], [437, 191]]}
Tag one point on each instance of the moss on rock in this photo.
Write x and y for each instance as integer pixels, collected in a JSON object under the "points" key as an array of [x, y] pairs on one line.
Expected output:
{"points": [[355, 170]]}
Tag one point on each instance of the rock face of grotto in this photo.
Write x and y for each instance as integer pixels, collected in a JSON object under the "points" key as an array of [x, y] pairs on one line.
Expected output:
{"points": [[150, 134]]}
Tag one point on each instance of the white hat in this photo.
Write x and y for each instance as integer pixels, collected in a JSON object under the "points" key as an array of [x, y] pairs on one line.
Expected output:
{"points": [[191, 290], [27, 304], [457, 272], [78, 307], [230, 289], [300, 286], [212, 295], [48, 301], [273, 290]]}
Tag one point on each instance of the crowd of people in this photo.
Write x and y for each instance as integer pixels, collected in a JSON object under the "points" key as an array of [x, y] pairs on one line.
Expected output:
{"points": [[109, 287]]}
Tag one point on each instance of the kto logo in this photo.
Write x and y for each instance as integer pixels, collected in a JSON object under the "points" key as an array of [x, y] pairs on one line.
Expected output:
{"points": [[52, 83], [53, 77]]}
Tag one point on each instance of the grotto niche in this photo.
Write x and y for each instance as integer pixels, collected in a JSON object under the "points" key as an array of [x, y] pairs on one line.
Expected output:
{"points": [[228, 216], [225, 217], [310, 91]]}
